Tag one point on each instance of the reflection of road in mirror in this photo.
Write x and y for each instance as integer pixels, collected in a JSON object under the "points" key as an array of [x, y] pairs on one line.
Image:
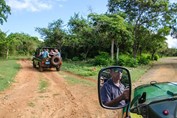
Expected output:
{"points": [[113, 91]]}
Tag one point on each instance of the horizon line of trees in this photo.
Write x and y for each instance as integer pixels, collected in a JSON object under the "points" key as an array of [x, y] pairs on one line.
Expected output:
{"points": [[129, 27]]}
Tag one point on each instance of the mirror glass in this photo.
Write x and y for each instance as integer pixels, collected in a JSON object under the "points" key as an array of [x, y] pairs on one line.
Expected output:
{"points": [[114, 87]]}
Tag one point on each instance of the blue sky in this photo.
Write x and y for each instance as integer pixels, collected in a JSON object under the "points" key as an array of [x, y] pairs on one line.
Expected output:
{"points": [[26, 15]]}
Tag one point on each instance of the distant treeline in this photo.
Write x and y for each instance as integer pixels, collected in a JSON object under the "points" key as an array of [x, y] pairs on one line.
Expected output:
{"points": [[130, 30]]}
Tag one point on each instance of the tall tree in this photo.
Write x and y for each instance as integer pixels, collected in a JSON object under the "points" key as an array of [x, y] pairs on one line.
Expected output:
{"points": [[23, 44], [3, 42], [113, 27], [151, 14], [4, 11], [53, 35], [83, 34]]}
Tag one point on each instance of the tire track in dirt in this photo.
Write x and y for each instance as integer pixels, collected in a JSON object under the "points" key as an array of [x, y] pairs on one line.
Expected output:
{"points": [[162, 71], [61, 84], [13, 101], [60, 99]]}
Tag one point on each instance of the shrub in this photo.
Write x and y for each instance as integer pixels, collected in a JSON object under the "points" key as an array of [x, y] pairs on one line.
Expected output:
{"points": [[102, 59], [122, 60], [75, 58], [149, 57], [125, 60], [131, 62], [156, 57], [144, 60]]}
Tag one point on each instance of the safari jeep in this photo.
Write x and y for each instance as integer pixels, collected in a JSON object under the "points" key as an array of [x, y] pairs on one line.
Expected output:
{"points": [[50, 62]]}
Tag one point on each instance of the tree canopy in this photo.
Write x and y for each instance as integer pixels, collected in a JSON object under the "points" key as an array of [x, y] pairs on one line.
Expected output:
{"points": [[129, 27], [4, 11]]}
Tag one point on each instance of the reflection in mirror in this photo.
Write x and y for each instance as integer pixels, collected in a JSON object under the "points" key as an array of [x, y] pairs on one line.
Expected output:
{"points": [[114, 84]]}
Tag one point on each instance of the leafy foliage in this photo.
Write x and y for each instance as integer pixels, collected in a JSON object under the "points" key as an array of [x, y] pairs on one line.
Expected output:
{"points": [[153, 15], [144, 59], [4, 11], [103, 59], [17, 44], [125, 60], [53, 35], [130, 27], [81, 68]]}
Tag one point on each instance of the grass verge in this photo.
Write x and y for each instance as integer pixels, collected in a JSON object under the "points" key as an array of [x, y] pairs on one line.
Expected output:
{"points": [[137, 72], [73, 81], [81, 68], [88, 70], [17, 57], [43, 84], [8, 70], [31, 104]]}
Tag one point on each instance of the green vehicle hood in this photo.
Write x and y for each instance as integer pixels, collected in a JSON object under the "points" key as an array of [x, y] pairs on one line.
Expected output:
{"points": [[154, 92]]}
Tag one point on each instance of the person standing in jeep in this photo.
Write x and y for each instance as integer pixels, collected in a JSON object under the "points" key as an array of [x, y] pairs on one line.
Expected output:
{"points": [[45, 54], [57, 53]]}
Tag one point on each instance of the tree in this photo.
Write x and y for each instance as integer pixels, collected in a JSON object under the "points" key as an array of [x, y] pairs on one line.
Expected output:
{"points": [[3, 42], [157, 43], [53, 35], [113, 27], [151, 14], [23, 44], [4, 11], [83, 34]]}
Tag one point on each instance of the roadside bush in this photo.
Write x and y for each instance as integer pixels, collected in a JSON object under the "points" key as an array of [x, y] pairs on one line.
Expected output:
{"points": [[75, 58], [144, 60], [156, 57], [122, 60], [131, 62], [149, 57], [102, 59], [125, 60]]}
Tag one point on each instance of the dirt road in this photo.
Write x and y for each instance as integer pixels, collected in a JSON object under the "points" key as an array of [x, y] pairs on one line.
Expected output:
{"points": [[162, 71], [62, 100]]}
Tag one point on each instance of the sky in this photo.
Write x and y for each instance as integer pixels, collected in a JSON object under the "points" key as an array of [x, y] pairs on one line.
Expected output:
{"points": [[26, 15]]}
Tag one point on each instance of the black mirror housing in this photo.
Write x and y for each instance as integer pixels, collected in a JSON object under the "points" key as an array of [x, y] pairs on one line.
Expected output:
{"points": [[114, 87]]}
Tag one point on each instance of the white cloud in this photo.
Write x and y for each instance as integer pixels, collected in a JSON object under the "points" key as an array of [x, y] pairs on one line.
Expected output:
{"points": [[172, 42], [32, 5]]}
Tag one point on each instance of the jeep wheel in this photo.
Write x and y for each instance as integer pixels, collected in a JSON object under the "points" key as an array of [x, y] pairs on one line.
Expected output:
{"points": [[34, 64], [58, 68], [40, 68]]}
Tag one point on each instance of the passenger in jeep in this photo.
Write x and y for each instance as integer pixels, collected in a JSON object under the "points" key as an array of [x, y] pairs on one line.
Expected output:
{"points": [[45, 54], [57, 53], [52, 53]]}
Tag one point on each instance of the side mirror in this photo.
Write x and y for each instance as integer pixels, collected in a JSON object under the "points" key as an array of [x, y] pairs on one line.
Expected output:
{"points": [[114, 87]]}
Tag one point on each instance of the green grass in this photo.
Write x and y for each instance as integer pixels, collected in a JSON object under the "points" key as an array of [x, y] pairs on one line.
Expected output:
{"points": [[74, 81], [19, 57], [137, 72], [8, 70], [88, 70], [43, 84], [31, 104], [81, 68]]}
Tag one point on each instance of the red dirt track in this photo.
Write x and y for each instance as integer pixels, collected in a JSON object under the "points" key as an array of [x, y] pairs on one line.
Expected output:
{"points": [[62, 100]]}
